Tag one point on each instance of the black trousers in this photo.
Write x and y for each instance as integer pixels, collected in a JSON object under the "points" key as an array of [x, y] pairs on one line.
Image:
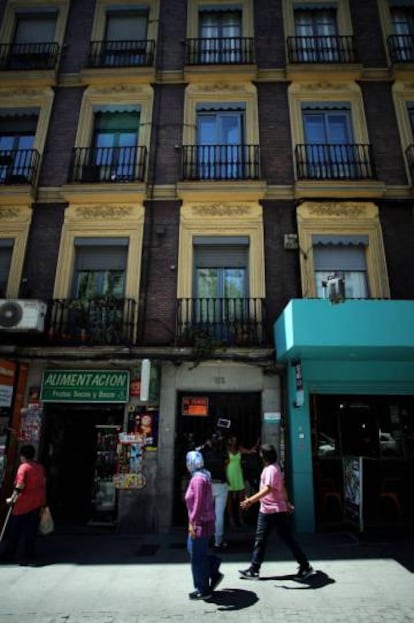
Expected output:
{"points": [[266, 523], [21, 535]]}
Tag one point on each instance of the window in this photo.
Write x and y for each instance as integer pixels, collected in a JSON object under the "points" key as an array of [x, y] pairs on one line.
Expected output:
{"points": [[114, 149], [33, 41], [345, 257], [125, 37], [342, 237], [17, 135], [220, 33], [220, 137], [402, 18], [6, 250], [100, 267], [220, 283], [316, 32], [329, 150]]}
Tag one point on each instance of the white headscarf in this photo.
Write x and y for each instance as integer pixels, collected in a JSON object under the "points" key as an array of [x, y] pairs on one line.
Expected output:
{"points": [[195, 463]]}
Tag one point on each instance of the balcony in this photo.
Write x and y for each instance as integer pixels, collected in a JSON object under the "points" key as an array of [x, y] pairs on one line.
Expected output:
{"points": [[334, 162], [96, 322], [220, 162], [18, 166], [108, 164], [401, 48], [220, 51], [28, 56], [220, 321], [121, 53], [324, 50]]}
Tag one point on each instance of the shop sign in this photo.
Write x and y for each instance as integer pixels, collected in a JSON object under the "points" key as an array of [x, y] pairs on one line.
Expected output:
{"points": [[7, 372], [85, 386], [195, 405]]}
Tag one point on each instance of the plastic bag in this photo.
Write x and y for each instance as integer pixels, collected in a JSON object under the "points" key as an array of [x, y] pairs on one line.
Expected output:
{"points": [[46, 524]]}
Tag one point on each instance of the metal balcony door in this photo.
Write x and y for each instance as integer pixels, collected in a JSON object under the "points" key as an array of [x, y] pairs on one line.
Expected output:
{"points": [[332, 130], [116, 140], [220, 139], [317, 30], [220, 33], [221, 286]]}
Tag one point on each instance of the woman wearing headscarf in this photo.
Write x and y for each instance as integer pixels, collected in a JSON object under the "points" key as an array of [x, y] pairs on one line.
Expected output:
{"points": [[201, 519]]}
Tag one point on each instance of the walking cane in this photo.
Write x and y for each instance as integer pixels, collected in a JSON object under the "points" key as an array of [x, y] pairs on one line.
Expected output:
{"points": [[3, 530]]}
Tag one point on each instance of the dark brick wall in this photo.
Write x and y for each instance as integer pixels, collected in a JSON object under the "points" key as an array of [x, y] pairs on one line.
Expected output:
{"points": [[269, 34], [42, 250], [167, 126], [397, 221], [368, 33], [383, 132], [172, 34], [282, 267], [77, 36], [61, 136], [274, 131], [159, 272]]}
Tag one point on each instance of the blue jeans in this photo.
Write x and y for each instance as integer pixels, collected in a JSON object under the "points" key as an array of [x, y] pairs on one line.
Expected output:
{"points": [[266, 523], [204, 566], [220, 491]]}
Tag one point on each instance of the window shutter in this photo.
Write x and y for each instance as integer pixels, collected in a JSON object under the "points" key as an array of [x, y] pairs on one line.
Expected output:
{"points": [[126, 26], [38, 27], [339, 258], [212, 253], [96, 254]]}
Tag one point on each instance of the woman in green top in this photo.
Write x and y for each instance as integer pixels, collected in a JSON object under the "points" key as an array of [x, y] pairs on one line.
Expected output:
{"points": [[235, 480]]}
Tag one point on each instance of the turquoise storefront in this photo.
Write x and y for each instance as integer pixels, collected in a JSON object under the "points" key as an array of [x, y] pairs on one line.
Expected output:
{"points": [[360, 349]]}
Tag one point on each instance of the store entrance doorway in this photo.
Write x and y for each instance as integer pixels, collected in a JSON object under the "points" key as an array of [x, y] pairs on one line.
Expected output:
{"points": [[231, 414], [69, 454]]}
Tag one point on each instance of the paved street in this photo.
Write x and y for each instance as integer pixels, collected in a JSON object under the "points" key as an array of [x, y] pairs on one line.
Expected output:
{"points": [[106, 578]]}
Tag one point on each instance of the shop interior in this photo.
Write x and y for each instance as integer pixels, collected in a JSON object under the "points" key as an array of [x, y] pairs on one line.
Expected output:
{"points": [[381, 430], [201, 414], [78, 451]]}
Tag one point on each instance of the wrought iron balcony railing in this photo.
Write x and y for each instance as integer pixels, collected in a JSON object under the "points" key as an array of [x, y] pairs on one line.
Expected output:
{"points": [[121, 53], [401, 48], [100, 321], [220, 51], [220, 162], [331, 49], [221, 321], [108, 164], [26, 56], [334, 162], [19, 166]]}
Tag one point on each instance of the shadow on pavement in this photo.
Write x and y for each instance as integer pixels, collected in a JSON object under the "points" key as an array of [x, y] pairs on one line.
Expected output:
{"points": [[232, 599], [319, 579]]}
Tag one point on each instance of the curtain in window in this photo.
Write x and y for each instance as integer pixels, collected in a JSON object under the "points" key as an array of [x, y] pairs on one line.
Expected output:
{"points": [[220, 33], [403, 28], [317, 32]]}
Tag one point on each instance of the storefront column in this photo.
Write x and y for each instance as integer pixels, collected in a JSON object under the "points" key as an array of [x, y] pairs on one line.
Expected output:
{"points": [[299, 461]]}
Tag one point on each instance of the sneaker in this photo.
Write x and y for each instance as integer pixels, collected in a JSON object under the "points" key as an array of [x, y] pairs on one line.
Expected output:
{"points": [[304, 572], [198, 595], [216, 581], [250, 574]]}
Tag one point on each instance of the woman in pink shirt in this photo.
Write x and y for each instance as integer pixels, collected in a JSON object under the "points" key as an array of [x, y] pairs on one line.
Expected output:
{"points": [[27, 499], [273, 513], [201, 520]]}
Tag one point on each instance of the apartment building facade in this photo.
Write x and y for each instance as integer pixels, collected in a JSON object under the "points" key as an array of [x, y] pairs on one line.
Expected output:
{"points": [[206, 221]]}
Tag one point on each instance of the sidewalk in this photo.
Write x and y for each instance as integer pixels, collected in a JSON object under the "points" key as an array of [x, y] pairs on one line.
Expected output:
{"points": [[109, 578]]}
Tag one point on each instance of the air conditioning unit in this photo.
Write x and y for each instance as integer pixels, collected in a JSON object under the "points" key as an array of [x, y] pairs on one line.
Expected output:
{"points": [[22, 315]]}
